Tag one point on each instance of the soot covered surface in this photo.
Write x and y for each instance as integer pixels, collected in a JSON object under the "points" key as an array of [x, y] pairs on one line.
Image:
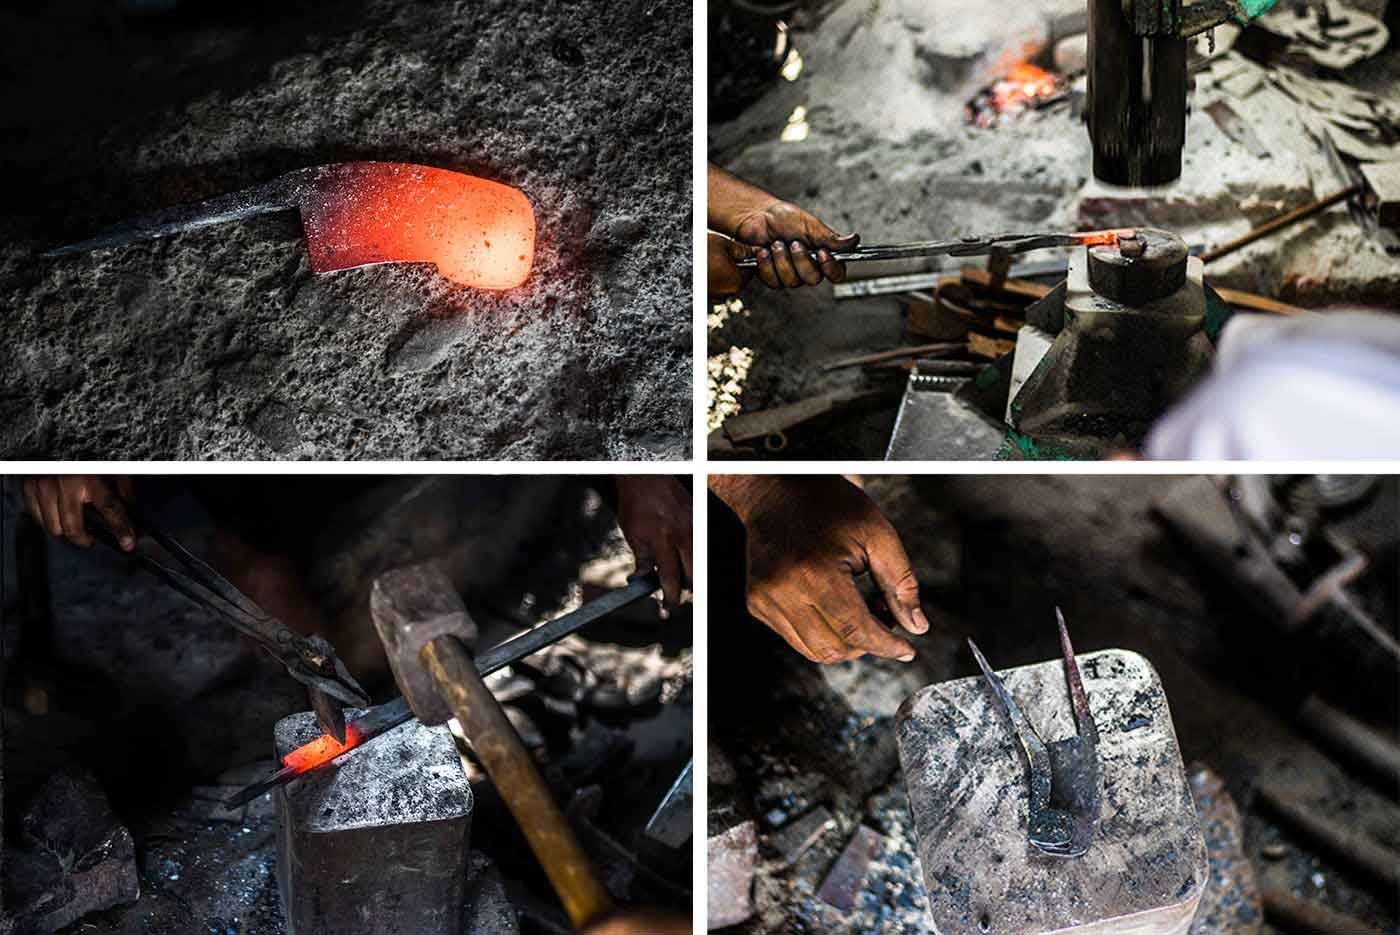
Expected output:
{"points": [[223, 344]]}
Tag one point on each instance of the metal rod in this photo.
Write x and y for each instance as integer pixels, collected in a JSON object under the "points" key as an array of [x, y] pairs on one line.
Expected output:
{"points": [[1300, 915], [1279, 223], [1361, 741], [1354, 846]]}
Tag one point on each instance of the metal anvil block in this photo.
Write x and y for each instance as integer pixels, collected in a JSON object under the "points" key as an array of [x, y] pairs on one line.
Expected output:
{"points": [[379, 844], [1146, 869], [1112, 368]]}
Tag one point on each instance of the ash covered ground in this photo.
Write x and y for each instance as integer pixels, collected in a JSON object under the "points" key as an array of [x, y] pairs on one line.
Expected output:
{"points": [[869, 133], [222, 344], [994, 555]]}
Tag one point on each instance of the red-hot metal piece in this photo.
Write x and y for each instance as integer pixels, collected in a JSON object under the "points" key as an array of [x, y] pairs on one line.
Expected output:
{"points": [[476, 232]]}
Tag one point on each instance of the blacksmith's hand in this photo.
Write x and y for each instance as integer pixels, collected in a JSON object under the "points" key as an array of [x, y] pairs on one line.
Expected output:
{"points": [[653, 512], [57, 502], [808, 537]]}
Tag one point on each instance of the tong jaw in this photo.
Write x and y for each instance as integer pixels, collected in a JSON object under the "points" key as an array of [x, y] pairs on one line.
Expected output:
{"points": [[1066, 780]]}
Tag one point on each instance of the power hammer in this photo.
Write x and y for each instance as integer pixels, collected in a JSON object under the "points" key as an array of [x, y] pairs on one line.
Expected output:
{"points": [[1138, 80]]}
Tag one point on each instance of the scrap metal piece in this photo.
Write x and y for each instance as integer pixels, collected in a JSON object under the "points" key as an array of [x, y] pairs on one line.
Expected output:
{"points": [[476, 232], [933, 409], [848, 874], [730, 858], [995, 245], [74, 857], [1383, 184], [671, 822], [796, 839], [1065, 778], [1235, 127], [379, 720]]}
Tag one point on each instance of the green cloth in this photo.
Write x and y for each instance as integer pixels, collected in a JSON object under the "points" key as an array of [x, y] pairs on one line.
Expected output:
{"points": [[1253, 8]]}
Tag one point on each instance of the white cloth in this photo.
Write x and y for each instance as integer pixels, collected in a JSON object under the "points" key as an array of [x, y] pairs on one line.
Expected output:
{"points": [[1313, 387]]}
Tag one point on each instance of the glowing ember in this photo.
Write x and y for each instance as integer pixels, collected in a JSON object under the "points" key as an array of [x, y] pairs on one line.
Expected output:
{"points": [[477, 232], [321, 750], [1025, 87]]}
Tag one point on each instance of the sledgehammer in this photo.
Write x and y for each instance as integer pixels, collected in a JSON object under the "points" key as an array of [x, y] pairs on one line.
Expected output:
{"points": [[426, 633]]}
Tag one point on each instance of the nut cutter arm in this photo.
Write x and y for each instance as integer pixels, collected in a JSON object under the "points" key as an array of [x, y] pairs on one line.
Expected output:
{"points": [[968, 246], [311, 660], [1066, 782]]}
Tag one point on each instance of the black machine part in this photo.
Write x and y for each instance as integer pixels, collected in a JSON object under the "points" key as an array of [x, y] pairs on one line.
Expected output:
{"points": [[1137, 96], [1139, 270]]}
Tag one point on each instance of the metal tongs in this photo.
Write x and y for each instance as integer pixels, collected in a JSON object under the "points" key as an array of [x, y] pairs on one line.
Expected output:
{"points": [[1004, 244], [310, 660], [1066, 777]]}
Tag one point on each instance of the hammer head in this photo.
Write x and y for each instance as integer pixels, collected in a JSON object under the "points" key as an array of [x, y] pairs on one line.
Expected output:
{"points": [[412, 607]]}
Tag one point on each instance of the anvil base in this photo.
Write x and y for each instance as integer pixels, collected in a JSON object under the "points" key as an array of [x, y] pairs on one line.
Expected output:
{"points": [[378, 845]]}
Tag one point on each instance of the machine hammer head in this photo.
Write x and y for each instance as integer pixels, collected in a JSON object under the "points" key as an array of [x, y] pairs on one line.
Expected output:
{"points": [[412, 607]]}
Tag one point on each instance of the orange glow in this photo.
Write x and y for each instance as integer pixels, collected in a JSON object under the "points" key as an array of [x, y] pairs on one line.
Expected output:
{"points": [[321, 750], [476, 232], [1105, 238], [1024, 86]]}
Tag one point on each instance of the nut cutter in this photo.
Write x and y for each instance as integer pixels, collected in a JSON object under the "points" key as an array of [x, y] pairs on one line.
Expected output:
{"points": [[1066, 778]]}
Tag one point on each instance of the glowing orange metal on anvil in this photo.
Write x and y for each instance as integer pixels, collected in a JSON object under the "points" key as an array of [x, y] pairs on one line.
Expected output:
{"points": [[477, 233]]}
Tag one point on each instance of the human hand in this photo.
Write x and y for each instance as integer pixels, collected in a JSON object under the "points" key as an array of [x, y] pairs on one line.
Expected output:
{"points": [[57, 502], [653, 512], [723, 275], [792, 246], [808, 537]]}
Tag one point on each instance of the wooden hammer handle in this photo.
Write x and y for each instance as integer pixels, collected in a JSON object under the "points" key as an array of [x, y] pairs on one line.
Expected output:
{"points": [[519, 783]]}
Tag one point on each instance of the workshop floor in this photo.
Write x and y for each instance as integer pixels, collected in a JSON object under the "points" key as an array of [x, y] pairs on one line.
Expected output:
{"points": [[869, 134], [994, 555], [222, 344]]}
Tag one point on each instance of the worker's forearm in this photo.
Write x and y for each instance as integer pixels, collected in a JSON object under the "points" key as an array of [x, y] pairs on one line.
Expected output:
{"points": [[731, 199]]}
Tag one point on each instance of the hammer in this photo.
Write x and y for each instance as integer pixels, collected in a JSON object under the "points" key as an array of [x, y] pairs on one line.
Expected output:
{"points": [[426, 632]]}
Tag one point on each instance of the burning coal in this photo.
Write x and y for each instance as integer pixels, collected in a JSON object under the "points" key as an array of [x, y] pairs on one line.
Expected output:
{"points": [[1024, 87]]}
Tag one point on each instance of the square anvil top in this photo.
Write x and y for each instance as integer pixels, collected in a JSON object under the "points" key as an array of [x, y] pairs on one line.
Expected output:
{"points": [[411, 774], [968, 788]]}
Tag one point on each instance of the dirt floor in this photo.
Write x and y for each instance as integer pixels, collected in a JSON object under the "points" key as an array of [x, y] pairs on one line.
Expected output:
{"points": [[994, 556], [221, 344], [172, 711], [869, 134]]}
